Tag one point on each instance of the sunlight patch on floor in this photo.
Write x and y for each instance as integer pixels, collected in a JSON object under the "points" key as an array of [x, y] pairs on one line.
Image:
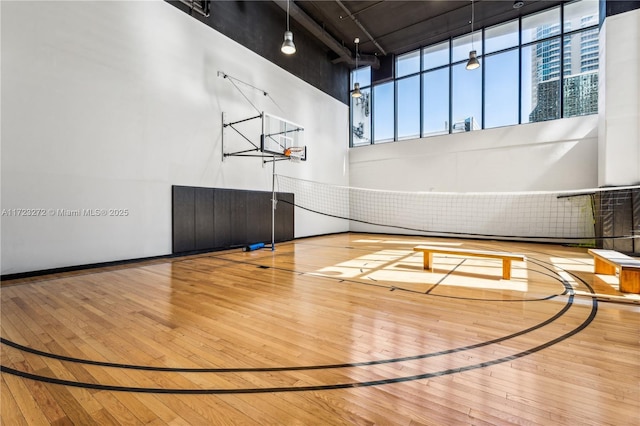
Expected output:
{"points": [[406, 267], [573, 264]]}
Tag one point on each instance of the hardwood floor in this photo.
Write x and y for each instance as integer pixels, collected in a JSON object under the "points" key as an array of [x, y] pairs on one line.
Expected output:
{"points": [[341, 329]]}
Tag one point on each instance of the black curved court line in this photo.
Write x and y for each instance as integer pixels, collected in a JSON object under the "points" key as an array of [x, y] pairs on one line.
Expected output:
{"points": [[293, 368], [328, 366], [95, 386], [582, 326], [457, 233]]}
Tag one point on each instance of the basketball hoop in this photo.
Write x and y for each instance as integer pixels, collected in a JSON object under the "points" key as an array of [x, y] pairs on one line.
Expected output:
{"points": [[295, 153]]}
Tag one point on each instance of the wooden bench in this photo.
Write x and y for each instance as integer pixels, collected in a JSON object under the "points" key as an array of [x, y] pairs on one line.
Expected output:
{"points": [[506, 257], [606, 262]]}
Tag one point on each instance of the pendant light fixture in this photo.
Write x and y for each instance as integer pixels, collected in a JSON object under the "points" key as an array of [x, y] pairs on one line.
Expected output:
{"points": [[356, 86], [473, 62], [288, 48]]}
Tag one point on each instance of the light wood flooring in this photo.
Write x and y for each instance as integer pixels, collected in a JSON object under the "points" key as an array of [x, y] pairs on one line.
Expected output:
{"points": [[345, 329]]}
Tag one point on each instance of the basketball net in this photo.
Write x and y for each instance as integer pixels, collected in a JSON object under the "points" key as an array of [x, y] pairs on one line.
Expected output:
{"points": [[294, 153]]}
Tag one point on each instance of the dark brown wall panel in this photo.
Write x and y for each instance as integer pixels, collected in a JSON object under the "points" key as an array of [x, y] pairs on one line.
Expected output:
{"points": [[222, 215], [183, 200], [284, 220], [239, 218], [259, 223], [204, 219], [217, 218]]}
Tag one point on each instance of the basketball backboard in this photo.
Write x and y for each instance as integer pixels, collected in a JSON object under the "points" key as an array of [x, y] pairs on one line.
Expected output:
{"points": [[282, 137]]}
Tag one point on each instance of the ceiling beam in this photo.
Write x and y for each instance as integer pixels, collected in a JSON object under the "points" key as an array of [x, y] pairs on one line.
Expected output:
{"points": [[344, 55], [363, 60], [357, 22]]}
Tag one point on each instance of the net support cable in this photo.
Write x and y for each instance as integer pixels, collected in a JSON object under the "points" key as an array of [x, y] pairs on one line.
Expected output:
{"points": [[235, 81]]}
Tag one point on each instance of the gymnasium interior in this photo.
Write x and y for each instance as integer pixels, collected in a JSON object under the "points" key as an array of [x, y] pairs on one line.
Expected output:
{"points": [[320, 212]]}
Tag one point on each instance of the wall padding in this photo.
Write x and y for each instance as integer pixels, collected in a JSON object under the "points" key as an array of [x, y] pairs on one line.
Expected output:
{"points": [[216, 218]]}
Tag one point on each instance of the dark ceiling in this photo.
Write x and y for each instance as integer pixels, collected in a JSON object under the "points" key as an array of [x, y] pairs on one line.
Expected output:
{"points": [[325, 30], [395, 27]]}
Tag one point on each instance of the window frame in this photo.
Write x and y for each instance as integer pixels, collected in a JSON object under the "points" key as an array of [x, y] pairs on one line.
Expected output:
{"points": [[480, 46]]}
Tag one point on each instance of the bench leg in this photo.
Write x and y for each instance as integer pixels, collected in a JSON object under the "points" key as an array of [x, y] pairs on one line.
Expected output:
{"points": [[602, 267], [506, 269], [428, 259], [630, 282]]}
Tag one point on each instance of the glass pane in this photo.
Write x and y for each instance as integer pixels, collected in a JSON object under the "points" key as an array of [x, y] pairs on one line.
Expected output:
{"points": [[501, 89], [409, 63], [540, 81], [409, 107], [580, 85], [541, 25], [362, 76], [361, 119], [467, 99], [580, 14], [462, 46], [436, 55], [581, 52], [501, 37], [435, 94], [383, 112]]}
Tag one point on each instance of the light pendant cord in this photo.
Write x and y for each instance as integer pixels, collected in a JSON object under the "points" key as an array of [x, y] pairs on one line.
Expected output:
{"points": [[288, 47], [472, 19]]}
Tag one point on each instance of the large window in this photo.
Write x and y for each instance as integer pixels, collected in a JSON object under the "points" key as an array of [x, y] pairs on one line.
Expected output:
{"points": [[580, 76], [466, 99], [408, 111], [500, 37], [435, 92], [580, 67], [538, 67], [501, 95], [540, 81], [361, 108], [408, 64], [383, 113], [435, 56], [461, 46]]}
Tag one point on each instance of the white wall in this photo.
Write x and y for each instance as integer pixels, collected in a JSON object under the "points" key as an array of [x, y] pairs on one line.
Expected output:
{"points": [[105, 105], [619, 100], [553, 155]]}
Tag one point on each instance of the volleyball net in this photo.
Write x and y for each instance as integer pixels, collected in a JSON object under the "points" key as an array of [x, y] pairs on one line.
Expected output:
{"points": [[555, 216]]}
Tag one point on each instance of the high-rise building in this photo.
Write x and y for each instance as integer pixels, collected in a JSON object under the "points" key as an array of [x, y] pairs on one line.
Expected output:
{"points": [[580, 94], [589, 46], [547, 101], [579, 63]]}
